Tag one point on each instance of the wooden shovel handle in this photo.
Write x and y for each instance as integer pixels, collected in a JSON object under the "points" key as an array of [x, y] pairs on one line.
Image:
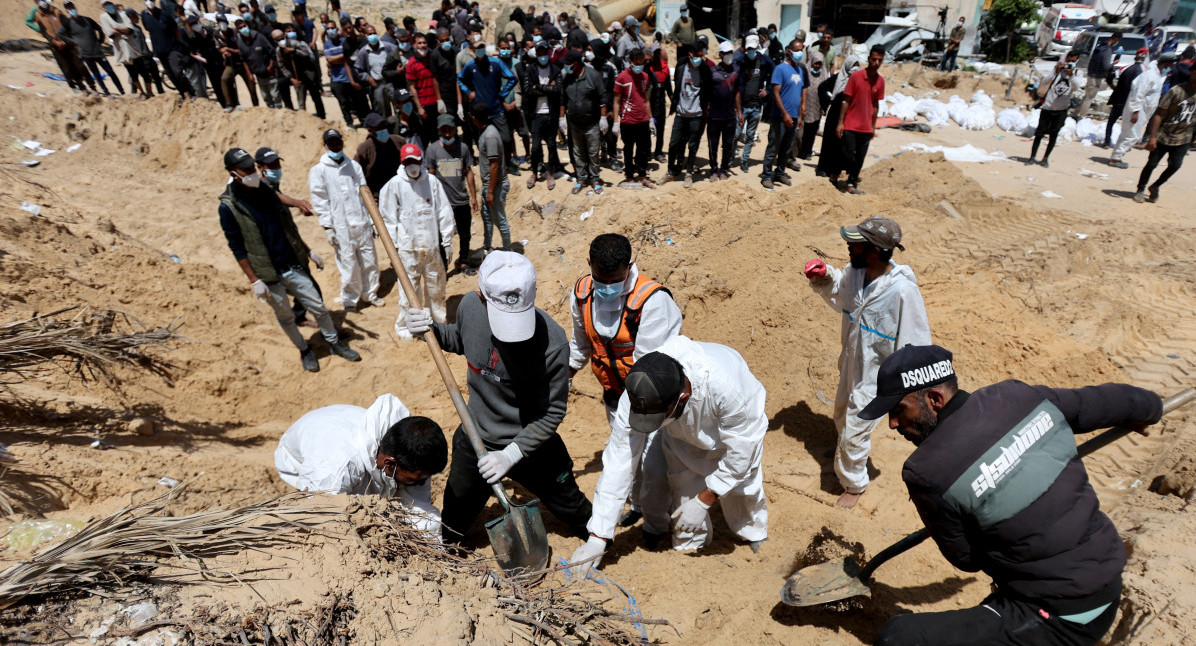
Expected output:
{"points": [[450, 383]]}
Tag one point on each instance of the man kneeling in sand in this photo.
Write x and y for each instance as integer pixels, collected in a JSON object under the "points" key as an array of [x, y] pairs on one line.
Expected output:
{"points": [[382, 450]]}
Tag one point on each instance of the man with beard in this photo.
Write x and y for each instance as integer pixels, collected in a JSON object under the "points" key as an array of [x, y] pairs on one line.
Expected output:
{"points": [[998, 481], [882, 311]]}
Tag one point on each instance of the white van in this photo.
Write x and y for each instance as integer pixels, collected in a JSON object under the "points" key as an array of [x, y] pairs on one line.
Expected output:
{"points": [[1060, 27], [1158, 38]]}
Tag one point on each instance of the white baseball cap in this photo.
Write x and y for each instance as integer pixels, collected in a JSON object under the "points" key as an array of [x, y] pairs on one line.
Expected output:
{"points": [[614, 26], [507, 281], [751, 42], [726, 47]]}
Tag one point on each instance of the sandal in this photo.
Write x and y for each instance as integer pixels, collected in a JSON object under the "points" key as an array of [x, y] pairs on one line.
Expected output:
{"points": [[597, 189], [577, 188], [551, 182], [531, 181]]}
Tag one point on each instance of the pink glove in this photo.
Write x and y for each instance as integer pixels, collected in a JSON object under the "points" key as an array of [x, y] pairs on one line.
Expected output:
{"points": [[815, 269]]}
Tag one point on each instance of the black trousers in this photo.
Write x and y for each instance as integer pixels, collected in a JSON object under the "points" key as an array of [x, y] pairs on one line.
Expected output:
{"points": [[998, 621], [1115, 110], [464, 217], [1049, 124], [215, 70], [547, 473], [855, 151], [808, 132], [1175, 159], [543, 131], [637, 140], [721, 131], [687, 134], [351, 101]]}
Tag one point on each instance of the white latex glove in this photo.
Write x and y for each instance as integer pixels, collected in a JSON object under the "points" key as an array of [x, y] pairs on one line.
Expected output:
{"points": [[690, 516], [418, 321], [603, 125], [331, 235], [495, 464], [652, 127], [587, 556], [260, 291], [615, 129], [460, 113], [564, 126], [440, 106], [315, 257]]}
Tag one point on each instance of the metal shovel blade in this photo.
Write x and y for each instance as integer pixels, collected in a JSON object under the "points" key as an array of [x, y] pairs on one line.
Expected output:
{"points": [[519, 541], [824, 583]]}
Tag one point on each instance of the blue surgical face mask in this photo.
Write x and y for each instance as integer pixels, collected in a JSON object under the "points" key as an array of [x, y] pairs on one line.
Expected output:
{"points": [[408, 108], [372, 39], [505, 53], [446, 45], [245, 32], [816, 71], [606, 292], [292, 35], [536, 38], [110, 9], [636, 69], [405, 46], [382, 135], [797, 56], [246, 16], [751, 54], [448, 141], [695, 60], [337, 156], [331, 33], [543, 60], [273, 17], [273, 174], [73, 12]]}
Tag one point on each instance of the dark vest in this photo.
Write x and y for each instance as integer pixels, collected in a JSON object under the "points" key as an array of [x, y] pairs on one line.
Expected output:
{"points": [[255, 246]]}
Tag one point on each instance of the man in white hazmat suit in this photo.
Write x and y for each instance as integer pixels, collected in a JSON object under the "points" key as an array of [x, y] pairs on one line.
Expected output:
{"points": [[882, 311], [335, 183], [382, 450], [709, 410], [419, 217], [619, 315], [1140, 106]]}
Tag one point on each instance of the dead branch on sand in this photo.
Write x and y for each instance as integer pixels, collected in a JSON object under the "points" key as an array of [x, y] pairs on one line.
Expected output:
{"points": [[89, 345], [550, 611], [133, 541]]}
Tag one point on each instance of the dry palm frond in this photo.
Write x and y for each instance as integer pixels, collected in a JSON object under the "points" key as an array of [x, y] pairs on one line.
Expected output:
{"points": [[88, 345], [566, 614], [132, 541]]}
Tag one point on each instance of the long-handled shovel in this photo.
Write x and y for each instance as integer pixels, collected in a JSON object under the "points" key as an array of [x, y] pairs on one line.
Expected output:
{"points": [[827, 582], [518, 538]]}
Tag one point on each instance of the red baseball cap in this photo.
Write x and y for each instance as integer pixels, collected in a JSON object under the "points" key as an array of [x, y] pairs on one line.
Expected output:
{"points": [[1142, 51], [410, 151]]}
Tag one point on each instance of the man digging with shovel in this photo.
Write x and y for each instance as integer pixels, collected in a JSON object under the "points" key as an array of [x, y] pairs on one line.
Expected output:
{"points": [[518, 388], [1000, 486]]}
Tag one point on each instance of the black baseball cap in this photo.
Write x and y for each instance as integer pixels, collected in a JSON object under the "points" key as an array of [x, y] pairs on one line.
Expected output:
{"points": [[332, 133], [653, 386], [907, 370], [266, 156], [373, 121], [238, 158], [572, 56], [446, 120]]}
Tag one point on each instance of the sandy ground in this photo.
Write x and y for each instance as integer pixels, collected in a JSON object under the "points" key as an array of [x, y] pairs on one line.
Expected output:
{"points": [[1084, 289]]}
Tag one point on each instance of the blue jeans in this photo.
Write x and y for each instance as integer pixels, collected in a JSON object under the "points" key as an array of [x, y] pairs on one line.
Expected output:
{"points": [[496, 214], [298, 283], [751, 119]]}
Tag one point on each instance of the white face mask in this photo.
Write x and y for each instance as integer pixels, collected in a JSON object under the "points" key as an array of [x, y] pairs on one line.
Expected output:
{"points": [[251, 180], [589, 56], [413, 170]]}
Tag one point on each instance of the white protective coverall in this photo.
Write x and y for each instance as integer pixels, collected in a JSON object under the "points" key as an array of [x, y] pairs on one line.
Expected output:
{"points": [[1143, 100], [716, 443], [332, 449], [336, 200], [660, 320], [877, 320], [419, 217]]}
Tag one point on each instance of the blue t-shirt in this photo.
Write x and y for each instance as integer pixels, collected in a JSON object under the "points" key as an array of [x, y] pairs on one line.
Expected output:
{"points": [[336, 73], [791, 81]]}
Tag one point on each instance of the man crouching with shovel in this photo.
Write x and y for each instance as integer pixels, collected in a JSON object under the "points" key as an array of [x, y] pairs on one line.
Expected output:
{"points": [[1000, 486]]}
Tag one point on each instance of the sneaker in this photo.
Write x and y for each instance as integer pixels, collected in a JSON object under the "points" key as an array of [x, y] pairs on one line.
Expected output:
{"points": [[853, 190], [661, 159], [1044, 163], [767, 184], [743, 168], [377, 302], [598, 189], [631, 517], [1140, 197], [784, 179], [577, 188], [1117, 163], [1153, 194], [342, 349], [513, 170], [793, 166], [616, 166], [689, 180], [351, 307], [310, 363]]}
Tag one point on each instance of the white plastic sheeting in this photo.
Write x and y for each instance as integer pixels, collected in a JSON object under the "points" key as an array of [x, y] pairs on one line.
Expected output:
{"points": [[1012, 120], [934, 110], [964, 153], [977, 115]]}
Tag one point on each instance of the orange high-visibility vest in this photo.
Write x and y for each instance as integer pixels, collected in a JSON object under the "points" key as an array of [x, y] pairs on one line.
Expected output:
{"points": [[611, 359]]}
